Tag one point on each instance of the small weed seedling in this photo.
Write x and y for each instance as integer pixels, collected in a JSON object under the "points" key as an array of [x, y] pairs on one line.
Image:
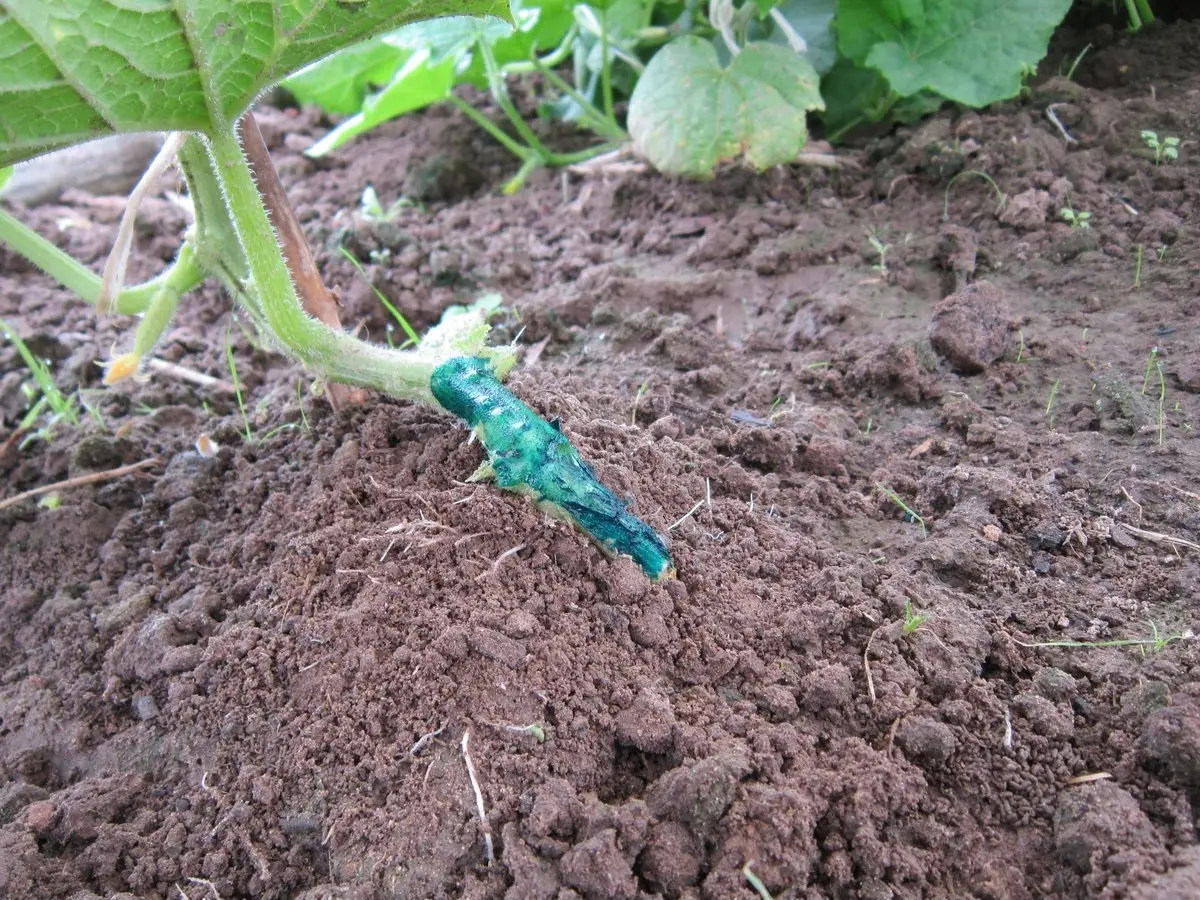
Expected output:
{"points": [[1000, 197], [1022, 350], [1162, 401], [1165, 150], [1081, 219], [1156, 642], [372, 210], [1137, 271], [413, 339], [237, 387], [42, 394], [1052, 399], [909, 514], [1150, 363], [912, 620], [882, 250], [1069, 74], [756, 882], [642, 390], [778, 410]]}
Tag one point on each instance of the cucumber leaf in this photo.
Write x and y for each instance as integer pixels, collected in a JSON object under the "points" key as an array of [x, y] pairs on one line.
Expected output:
{"points": [[688, 113], [973, 52], [72, 70]]}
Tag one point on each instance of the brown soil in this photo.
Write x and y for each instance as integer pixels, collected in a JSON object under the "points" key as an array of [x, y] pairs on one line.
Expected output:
{"points": [[261, 669]]}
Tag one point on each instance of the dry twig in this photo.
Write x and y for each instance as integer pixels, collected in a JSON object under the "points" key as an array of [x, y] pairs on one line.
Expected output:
{"points": [[489, 850], [80, 480]]}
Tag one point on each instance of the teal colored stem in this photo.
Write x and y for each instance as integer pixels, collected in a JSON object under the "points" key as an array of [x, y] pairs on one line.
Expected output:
{"points": [[531, 456]]}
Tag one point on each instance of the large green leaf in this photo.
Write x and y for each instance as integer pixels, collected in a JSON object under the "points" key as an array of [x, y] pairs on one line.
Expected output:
{"points": [[971, 51], [687, 113], [72, 70]]}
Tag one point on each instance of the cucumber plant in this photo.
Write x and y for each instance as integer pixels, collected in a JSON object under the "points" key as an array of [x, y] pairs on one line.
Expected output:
{"points": [[73, 70]]}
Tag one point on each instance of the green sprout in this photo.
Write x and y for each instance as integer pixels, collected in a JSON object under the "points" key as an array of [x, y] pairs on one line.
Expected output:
{"points": [[1162, 400], [882, 250], [1070, 73], [912, 620], [1052, 399], [642, 390], [756, 882], [1150, 363], [1165, 150], [1137, 271], [372, 210], [237, 386], [43, 397], [1081, 219], [413, 338], [910, 515], [1022, 349], [974, 173]]}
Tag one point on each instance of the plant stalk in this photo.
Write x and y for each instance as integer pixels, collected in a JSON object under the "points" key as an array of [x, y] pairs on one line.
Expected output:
{"points": [[317, 300], [332, 354]]}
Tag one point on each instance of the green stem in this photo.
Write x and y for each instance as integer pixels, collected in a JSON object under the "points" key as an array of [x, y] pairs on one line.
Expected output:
{"points": [[334, 355], [570, 159], [83, 282], [606, 91], [596, 120], [520, 151], [872, 116], [166, 300], [1135, 20], [514, 184], [500, 93], [69, 272], [1145, 10], [553, 58]]}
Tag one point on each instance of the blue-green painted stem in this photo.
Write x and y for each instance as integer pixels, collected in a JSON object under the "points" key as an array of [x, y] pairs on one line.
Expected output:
{"points": [[531, 456]]}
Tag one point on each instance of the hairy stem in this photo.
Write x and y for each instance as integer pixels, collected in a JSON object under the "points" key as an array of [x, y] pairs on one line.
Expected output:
{"points": [[332, 354], [317, 300]]}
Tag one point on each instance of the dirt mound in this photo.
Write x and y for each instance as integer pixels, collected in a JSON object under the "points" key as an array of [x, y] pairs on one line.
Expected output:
{"points": [[918, 478]]}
